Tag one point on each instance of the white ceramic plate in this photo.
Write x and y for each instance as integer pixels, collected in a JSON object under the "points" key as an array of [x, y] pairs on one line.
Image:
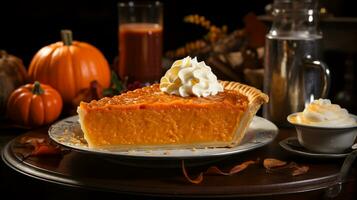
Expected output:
{"points": [[68, 133]]}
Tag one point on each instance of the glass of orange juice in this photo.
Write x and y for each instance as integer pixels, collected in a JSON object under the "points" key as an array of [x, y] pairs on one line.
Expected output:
{"points": [[140, 41]]}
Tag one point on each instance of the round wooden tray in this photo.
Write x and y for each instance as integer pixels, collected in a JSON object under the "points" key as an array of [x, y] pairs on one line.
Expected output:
{"points": [[95, 172]]}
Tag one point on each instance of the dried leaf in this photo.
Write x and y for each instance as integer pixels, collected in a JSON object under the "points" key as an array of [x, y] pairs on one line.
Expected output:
{"points": [[46, 149], [285, 169], [31, 140], [291, 169], [93, 92], [241, 167], [270, 163], [299, 170], [197, 180], [41, 146], [216, 171], [256, 30]]}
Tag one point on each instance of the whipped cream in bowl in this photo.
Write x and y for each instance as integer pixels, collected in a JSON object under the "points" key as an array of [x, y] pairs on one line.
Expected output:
{"points": [[325, 127], [322, 113]]}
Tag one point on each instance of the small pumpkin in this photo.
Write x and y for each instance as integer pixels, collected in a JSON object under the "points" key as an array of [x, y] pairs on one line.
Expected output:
{"points": [[69, 66], [12, 75], [34, 105]]}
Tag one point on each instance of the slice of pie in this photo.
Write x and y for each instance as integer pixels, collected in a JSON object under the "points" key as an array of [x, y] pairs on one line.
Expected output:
{"points": [[147, 118]]}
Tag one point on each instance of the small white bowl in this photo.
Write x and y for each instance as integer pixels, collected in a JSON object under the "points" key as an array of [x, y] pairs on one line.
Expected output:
{"points": [[324, 139]]}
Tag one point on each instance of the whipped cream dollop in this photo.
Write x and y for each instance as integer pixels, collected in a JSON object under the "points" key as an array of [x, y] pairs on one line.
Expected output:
{"points": [[322, 112], [188, 77]]}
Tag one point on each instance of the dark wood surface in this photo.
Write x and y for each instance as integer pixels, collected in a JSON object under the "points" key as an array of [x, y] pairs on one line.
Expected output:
{"points": [[86, 176]]}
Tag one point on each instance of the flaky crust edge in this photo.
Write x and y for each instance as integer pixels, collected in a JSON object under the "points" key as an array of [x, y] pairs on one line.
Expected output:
{"points": [[255, 98]]}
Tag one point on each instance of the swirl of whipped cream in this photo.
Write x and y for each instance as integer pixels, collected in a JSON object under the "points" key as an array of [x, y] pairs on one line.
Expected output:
{"points": [[322, 113], [187, 77]]}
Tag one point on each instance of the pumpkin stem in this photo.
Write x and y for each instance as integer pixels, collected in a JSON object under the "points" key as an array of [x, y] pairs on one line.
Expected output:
{"points": [[67, 37], [37, 89]]}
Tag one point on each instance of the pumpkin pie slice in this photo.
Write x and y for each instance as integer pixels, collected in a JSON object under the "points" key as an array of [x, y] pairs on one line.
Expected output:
{"points": [[147, 118]]}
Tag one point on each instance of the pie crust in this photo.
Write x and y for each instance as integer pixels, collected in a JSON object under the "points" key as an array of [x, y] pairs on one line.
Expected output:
{"points": [[255, 98], [216, 121]]}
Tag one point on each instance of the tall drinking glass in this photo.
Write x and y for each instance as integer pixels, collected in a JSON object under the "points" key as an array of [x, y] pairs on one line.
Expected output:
{"points": [[140, 41]]}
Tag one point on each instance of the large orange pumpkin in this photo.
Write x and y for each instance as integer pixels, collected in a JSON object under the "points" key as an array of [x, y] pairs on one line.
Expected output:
{"points": [[34, 105], [69, 66]]}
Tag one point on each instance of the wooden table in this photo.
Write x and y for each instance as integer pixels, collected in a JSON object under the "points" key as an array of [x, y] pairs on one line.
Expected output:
{"points": [[86, 176]]}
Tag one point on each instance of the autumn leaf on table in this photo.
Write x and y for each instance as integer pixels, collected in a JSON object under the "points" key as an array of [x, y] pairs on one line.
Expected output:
{"points": [[40, 146], [216, 171], [299, 170], [270, 163], [273, 165]]}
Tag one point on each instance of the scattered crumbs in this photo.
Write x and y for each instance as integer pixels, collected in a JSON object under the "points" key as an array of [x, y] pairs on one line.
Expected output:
{"points": [[193, 149], [131, 151], [71, 138], [61, 139], [107, 150], [209, 147], [167, 153]]}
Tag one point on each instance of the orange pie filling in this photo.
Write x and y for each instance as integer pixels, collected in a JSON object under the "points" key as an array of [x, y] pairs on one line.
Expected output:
{"points": [[148, 117]]}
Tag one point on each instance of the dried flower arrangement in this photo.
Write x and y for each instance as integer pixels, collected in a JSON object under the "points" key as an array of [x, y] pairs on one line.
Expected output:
{"points": [[233, 56]]}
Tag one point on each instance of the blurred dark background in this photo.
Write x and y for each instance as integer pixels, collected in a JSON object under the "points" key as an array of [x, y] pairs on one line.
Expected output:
{"points": [[29, 25], [26, 26]]}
